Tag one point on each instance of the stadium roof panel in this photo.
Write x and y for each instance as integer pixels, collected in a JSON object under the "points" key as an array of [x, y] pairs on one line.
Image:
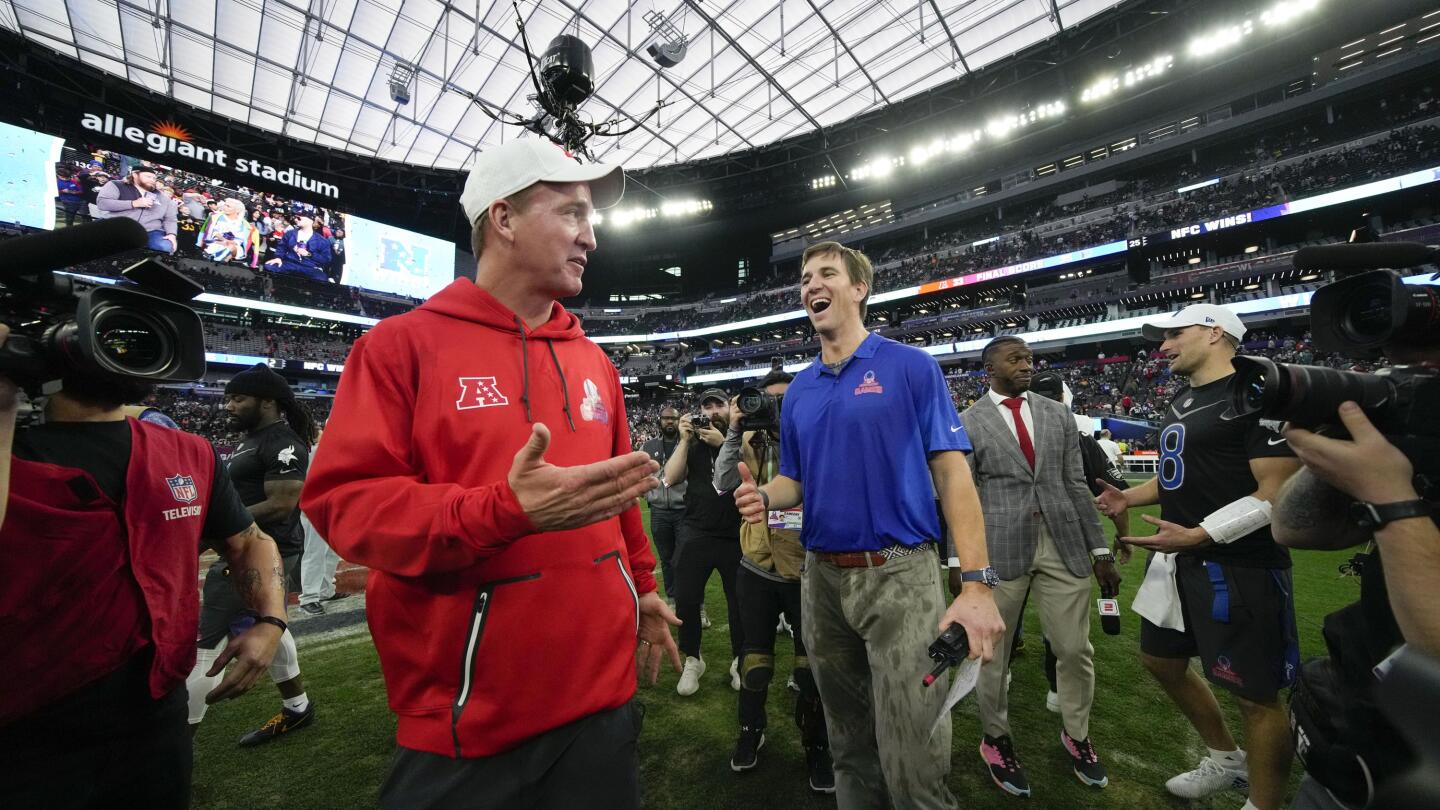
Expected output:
{"points": [[755, 72]]}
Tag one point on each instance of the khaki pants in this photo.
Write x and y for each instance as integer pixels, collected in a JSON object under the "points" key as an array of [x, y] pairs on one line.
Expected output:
{"points": [[1064, 603], [867, 631]]}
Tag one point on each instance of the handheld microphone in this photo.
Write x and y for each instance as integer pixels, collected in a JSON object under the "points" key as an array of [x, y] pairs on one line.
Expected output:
{"points": [[1109, 616], [53, 250], [1365, 256], [949, 649]]}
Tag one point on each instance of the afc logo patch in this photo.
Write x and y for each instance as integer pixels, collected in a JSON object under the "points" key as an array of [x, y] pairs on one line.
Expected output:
{"points": [[868, 385], [183, 488], [479, 392]]}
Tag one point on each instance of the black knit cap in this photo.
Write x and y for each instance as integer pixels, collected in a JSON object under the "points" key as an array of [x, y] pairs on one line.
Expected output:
{"points": [[260, 381]]}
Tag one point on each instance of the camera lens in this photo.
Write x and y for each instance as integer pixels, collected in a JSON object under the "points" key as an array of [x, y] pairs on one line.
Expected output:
{"points": [[1254, 392], [132, 342]]}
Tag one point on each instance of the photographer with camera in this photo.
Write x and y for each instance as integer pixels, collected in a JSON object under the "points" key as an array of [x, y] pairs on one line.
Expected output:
{"points": [[1367, 442], [865, 430], [103, 517], [768, 586], [709, 535], [667, 503], [1214, 552]]}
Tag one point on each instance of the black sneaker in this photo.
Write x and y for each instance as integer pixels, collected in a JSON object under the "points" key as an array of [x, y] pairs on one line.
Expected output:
{"points": [[338, 596], [283, 723], [822, 771], [747, 749], [1087, 763], [313, 609], [999, 756]]}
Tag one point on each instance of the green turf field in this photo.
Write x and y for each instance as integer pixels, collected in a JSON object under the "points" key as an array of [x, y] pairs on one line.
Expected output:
{"points": [[340, 761]]}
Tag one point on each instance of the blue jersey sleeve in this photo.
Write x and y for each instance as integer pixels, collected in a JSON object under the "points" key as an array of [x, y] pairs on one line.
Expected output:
{"points": [[940, 427], [789, 443]]}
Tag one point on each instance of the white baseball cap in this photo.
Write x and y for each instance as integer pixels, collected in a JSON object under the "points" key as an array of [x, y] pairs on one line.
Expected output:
{"points": [[515, 166], [1196, 315]]}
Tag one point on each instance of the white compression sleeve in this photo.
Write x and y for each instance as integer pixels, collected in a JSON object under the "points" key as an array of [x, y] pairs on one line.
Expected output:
{"points": [[286, 663], [198, 684]]}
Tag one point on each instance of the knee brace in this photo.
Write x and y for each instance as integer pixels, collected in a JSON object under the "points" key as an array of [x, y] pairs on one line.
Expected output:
{"points": [[286, 663], [198, 684], [756, 670]]}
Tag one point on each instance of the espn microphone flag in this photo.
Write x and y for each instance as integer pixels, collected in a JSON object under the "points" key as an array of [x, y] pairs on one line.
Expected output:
{"points": [[1109, 616]]}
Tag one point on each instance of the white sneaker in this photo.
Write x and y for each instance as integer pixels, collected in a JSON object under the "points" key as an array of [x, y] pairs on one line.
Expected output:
{"points": [[791, 685], [690, 679], [1208, 778], [1052, 702], [704, 619], [735, 674], [784, 627]]}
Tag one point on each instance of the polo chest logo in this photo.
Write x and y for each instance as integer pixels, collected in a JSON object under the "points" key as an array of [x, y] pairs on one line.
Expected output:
{"points": [[868, 385], [479, 392]]}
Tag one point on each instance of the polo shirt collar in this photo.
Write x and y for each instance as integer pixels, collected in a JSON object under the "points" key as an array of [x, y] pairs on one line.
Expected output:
{"points": [[866, 349]]}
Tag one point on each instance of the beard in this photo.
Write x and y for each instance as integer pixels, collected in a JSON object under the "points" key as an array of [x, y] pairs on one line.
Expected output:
{"points": [[669, 432]]}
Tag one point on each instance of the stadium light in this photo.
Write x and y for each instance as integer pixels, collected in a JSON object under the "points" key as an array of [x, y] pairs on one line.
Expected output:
{"points": [[1283, 12], [1220, 39], [1107, 85], [825, 181]]}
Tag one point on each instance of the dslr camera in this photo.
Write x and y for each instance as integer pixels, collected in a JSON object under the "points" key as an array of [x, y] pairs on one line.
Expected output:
{"points": [[1356, 316], [141, 329], [760, 410]]}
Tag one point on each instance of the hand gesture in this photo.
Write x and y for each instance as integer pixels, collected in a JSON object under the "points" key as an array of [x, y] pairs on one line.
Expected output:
{"points": [[1170, 537], [747, 497], [1123, 553], [302, 251], [1109, 578], [143, 202], [1110, 501], [251, 651], [656, 618], [687, 430], [1367, 468], [557, 498], [974, 609]]}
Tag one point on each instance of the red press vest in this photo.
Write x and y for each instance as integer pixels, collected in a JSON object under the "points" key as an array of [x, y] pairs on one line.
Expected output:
{"points": [[88, 582]]}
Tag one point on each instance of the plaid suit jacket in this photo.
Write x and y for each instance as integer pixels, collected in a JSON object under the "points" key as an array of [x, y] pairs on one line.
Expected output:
{"points": [[1015, 498]]}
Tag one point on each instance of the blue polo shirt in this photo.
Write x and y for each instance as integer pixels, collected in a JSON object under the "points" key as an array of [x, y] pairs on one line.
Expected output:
{"points": [[859, 442]]}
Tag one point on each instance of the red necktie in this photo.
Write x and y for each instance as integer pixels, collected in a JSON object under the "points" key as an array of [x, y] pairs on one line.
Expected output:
{"points": [[1021, 432]]}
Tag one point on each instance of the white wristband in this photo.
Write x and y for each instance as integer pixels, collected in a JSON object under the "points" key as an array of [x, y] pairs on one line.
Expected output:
{"points": [[953, 562], [1236, 519], [1100, 552]]}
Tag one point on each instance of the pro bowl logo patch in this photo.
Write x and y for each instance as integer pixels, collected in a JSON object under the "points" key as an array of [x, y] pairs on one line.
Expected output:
{"points": [[183, 488], [592, 408], [868, 385]]}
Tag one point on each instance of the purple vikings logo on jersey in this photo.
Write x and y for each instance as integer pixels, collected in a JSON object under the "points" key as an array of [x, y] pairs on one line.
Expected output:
{"points": [[183, 488]]}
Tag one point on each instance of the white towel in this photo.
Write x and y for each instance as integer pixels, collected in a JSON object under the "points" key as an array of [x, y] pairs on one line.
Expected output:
{"points": [[1158, 599], [966, 676]]}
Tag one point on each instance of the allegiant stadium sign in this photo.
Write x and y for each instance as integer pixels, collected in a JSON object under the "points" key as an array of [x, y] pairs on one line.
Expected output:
{"points": [[168, 138]]}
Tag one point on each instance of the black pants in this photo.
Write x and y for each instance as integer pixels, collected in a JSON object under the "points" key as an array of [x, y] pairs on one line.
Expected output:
{"points": [[664, 528], [593, 762], [108, 745], [697, 556], [762, 602]]}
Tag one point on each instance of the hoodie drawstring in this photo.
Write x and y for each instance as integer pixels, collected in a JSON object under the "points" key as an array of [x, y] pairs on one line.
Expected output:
{"points": [[564, 389], [525, 374], [525, 365]]}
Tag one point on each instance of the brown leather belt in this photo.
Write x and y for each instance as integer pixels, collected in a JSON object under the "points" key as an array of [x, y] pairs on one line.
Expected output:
{"points": [[870, 559]]}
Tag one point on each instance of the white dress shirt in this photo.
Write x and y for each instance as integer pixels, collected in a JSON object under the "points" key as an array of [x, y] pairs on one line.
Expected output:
{"points": [[999, 400]]}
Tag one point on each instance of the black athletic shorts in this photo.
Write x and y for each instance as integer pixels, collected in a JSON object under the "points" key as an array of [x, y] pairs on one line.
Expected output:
{"points": [[221, 604], [1239, 621]]}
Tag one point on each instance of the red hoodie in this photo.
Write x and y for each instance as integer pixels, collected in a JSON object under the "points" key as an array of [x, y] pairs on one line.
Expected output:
{"points": [[488, 633]]}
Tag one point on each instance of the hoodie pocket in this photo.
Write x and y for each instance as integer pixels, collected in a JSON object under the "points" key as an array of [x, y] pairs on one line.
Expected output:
{"points": [[614, 556], [529, 639], [474, 634]]}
